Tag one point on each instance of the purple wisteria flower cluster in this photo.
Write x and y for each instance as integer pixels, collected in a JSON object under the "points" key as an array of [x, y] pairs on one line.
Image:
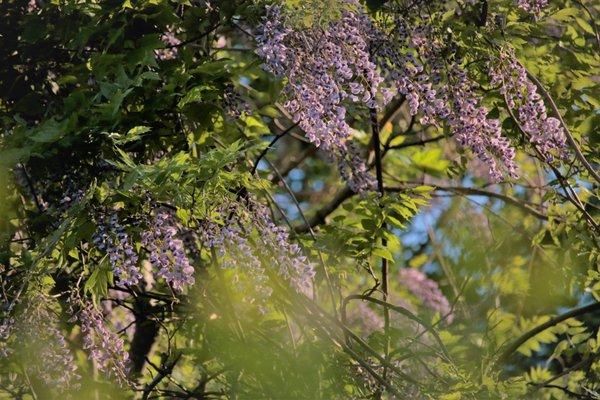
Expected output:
{"points": [[366, 318], [112, 238], [36, 329], [293, 265], [468, 120], [272, 242], [354, 170], [234, 249], [346, 61], [441, 92], [521, 95], [6, 329], [534, 7], [426, 290], [170, 52], [32, 6], [106, 348], [167, 252], [324, 68]]}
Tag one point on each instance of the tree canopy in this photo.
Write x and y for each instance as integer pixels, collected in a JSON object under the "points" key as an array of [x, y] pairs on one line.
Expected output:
{"points": [[287, 199]]}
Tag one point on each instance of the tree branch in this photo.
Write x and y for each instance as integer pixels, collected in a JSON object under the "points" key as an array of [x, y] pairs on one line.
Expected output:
{"points": [[162, 373], [324, 212], [481, 192], [266, 149], [512, 347]]}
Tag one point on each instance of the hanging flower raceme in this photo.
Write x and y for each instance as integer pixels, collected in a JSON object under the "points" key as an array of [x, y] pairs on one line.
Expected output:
{"points": [[293, 265], [427, 291], [39, 339], [167, 252], [324, 68], [354, 170], [170, 52], [112, 239], [234, 249], [6, 328], [534, 7], [271, 243], [522, 97], [441, 92], [473, 129], [366, 318], [106, 349]]}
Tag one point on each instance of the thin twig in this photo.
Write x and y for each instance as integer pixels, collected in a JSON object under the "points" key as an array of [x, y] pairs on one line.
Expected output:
{"points": [[266, 149]]}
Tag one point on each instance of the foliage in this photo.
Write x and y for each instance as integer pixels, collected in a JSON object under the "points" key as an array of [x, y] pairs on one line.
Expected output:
{"points": [[287, 199]]}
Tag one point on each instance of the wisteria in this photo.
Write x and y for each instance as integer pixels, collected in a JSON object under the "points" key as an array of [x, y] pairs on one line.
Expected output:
{"points": [[32, 6], [522, 97], [234, 250], [170, 51], [441, 91], [293, 265], [473, 129], [272, 242], [106, 349], [534, 7], [37, 331], [6, 328], [122, 319], [426, 290], [167, 252], [366, 318], [112, 239], [354, 170], [324, 68]]}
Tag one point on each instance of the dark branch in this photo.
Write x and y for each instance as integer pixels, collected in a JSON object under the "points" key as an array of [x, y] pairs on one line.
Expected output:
{"points": [[512, 347], [266, 149]]}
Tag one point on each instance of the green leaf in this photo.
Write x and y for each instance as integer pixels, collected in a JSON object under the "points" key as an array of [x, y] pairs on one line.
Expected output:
{"points": [[383, 253], [565, 13], [193, 95], [49, 132], [10, 157], [132, 135], [585, 25], [98, 282]]}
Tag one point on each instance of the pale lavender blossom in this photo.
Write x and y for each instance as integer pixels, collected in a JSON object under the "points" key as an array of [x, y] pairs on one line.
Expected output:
{"points": [[167, 252], [534, 7], [354, 170], [273, 244], [545, 133], [170, 51], [442, 93], [426, 290], [39, 337], [293, 265], [366, 318], [235, 250], [111, 238], [106, 349], [324, 69], [473, 129]]}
